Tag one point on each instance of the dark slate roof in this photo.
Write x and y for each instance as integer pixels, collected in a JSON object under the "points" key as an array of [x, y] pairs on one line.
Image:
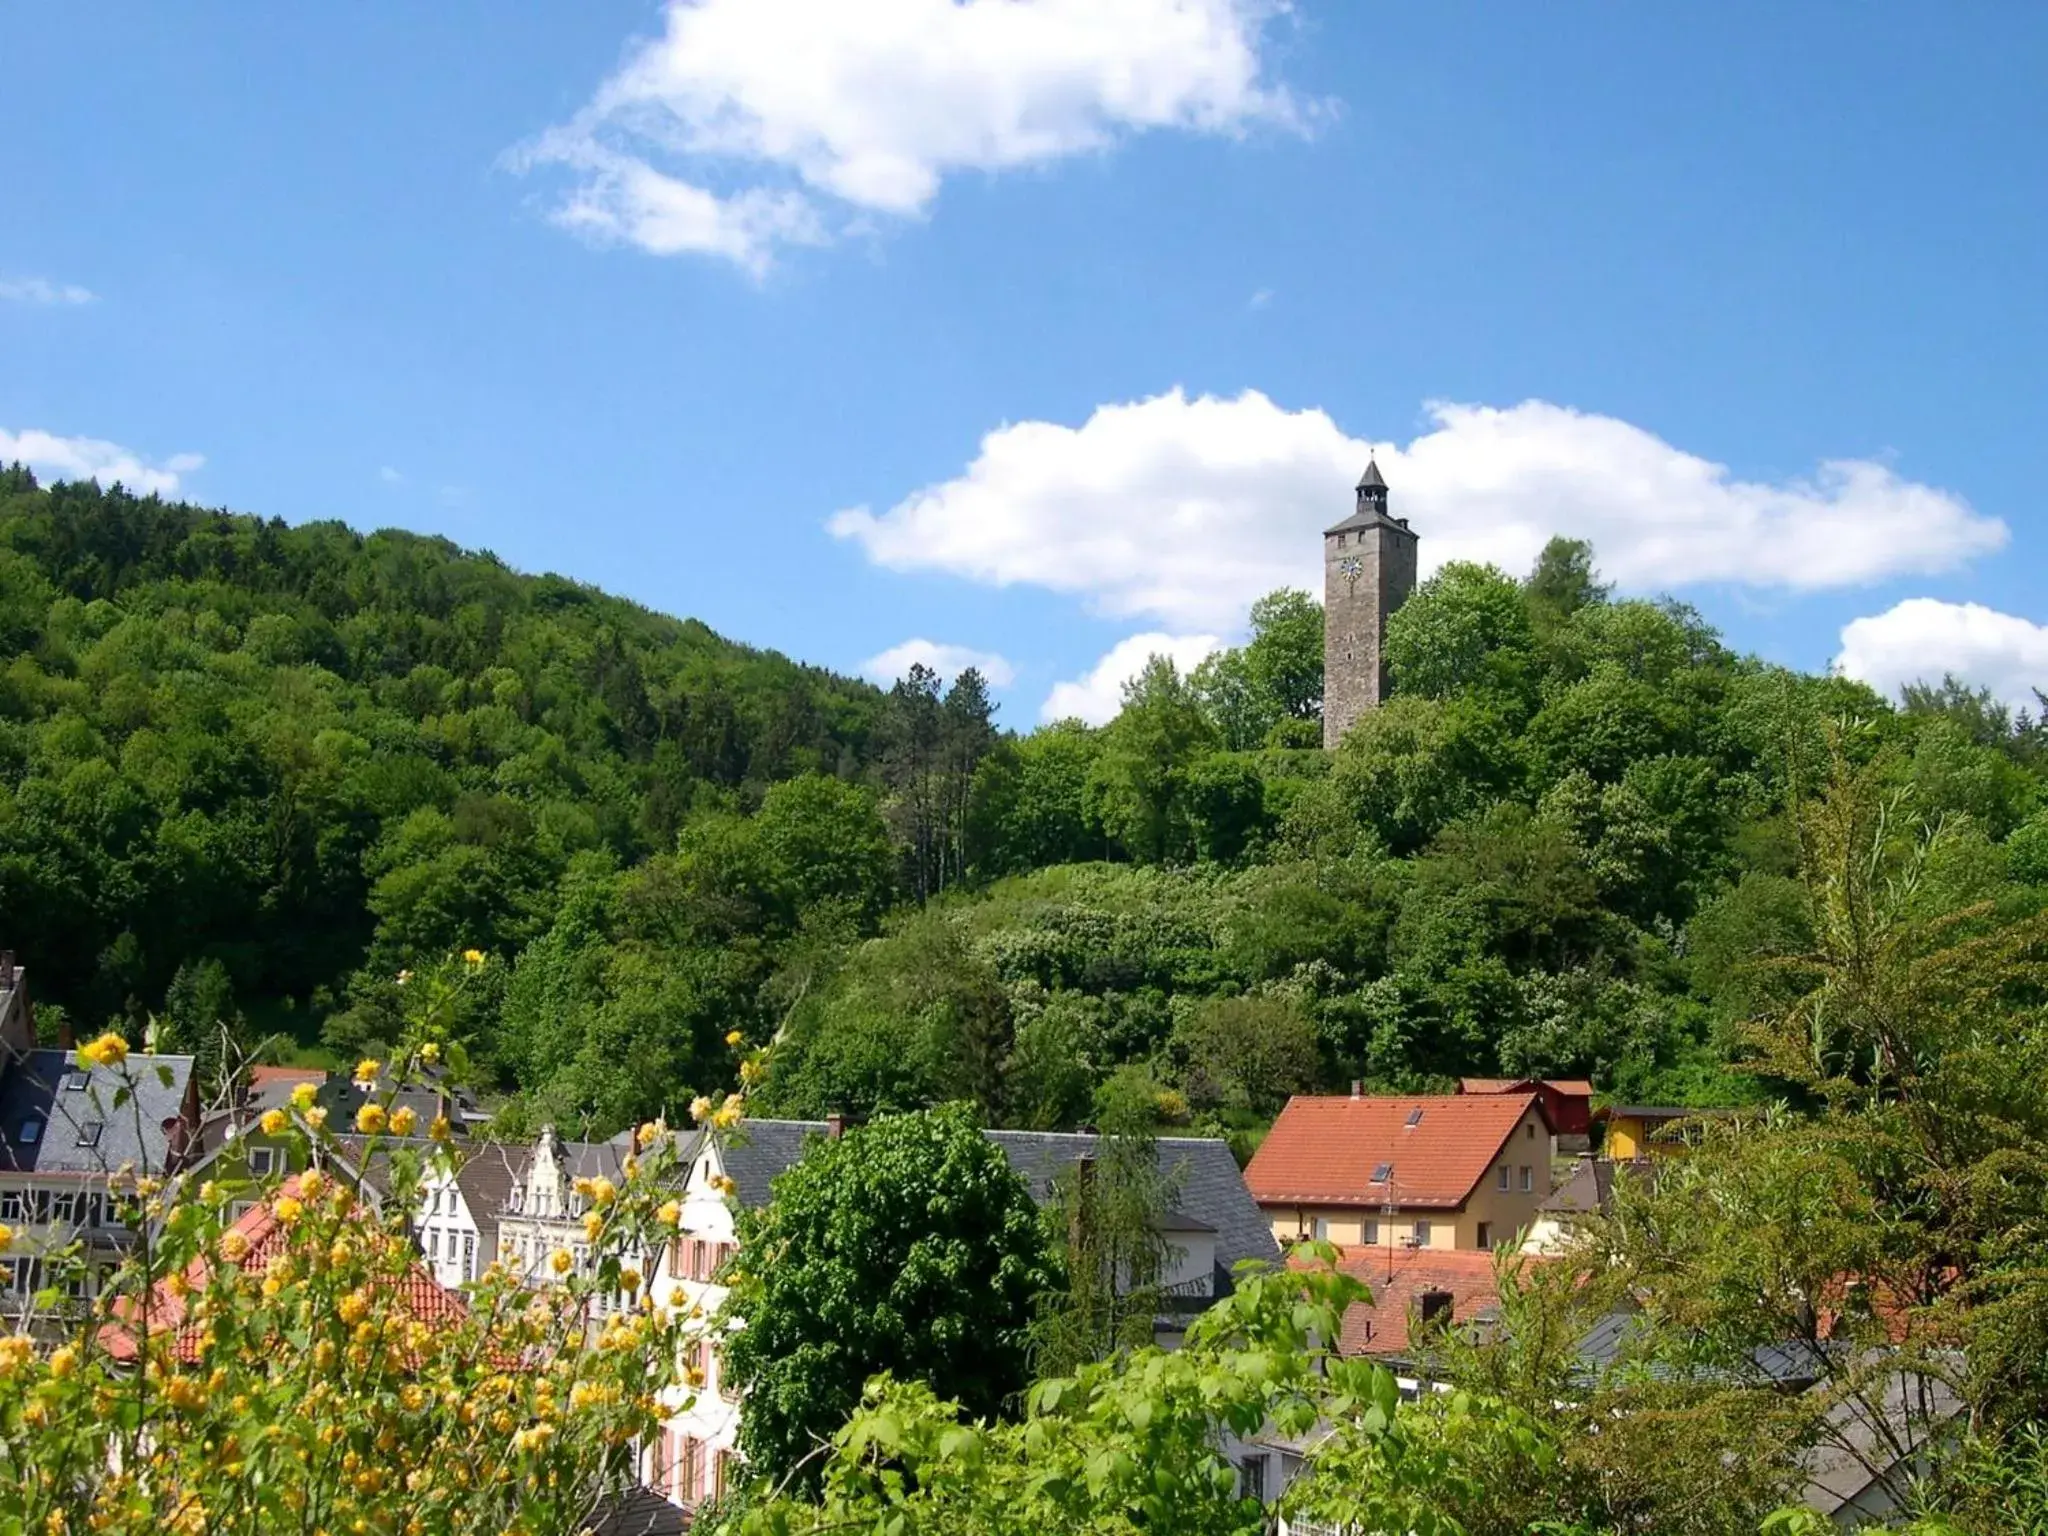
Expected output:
{"points": [[1208, 1185], [1372, 479], [1209, 1193], [639, 1512], [1589, 1189], [486, 1178], [137, 1133], [342, 1098], [761, 1149]]}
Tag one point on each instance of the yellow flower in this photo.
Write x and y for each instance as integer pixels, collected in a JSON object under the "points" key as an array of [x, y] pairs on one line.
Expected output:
{"points": [[647, 1135], [403, 1121], [273, 1122], [6, 1237], [694, 1376], [288, 1210], [700, 1108], [304, 1094], [629, 1280], [670, 1214], [751, 1070], [15, 1352], [317, 1116], [234, 1246], [581, 1187], [561, 1261], [367, 1070], [430, 1053], [603, 1191], [729, 1113], [440, 1130], [592, 1225], [353, 1307], [724, 1185], [311, 1183], [64, 1362], [733, 1037], [110, 1050], [370, 1119], [473, 958]]}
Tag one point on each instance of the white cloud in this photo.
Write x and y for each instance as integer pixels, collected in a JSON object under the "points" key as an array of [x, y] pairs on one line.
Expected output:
{"points": [[949, 661], [1183, 510], [40, 290], [1922, 639], [1259, 299], [88, 458], [750, 124], [390, 476], [1097, 697]]}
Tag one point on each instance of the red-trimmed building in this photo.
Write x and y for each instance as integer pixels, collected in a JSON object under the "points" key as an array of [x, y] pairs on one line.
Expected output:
{"points": [[1567, 1100], [1459, 1172]]}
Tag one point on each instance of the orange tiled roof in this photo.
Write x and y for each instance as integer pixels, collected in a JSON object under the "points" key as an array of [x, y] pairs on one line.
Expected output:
{"points": [[423, 1296], [1570, 1087], [1324, 1151]]}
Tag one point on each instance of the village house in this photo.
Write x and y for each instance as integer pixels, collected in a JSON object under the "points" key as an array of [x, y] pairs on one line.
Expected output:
{"points": [[1212, 1226], [64, 1141], [1462, 1171], [543, 1211], [1633, 1131], [1568, 1101], [462, 1202]]}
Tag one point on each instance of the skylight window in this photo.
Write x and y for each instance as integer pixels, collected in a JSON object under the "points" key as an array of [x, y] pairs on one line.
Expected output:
{"points": [[75, 1082], [31, 1132], [1414, 1118], [1382, 1172], [89, 1134]]}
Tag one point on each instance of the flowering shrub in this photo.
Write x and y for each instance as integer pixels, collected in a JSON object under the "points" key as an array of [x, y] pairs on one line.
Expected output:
{"points": [[271, 1356]]}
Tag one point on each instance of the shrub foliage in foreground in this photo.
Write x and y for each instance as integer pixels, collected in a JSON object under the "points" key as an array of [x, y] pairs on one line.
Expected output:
{"points": [[296, 1370]]}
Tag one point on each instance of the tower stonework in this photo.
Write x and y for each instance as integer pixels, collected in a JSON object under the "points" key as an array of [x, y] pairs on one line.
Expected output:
{"points": [[1368, 572]]}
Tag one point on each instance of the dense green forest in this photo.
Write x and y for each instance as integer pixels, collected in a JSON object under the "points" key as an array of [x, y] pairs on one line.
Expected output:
{"points": [[252, 775]]}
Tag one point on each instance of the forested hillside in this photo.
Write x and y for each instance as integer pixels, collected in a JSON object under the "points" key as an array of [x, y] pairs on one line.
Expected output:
{"points": [[253, 775]]}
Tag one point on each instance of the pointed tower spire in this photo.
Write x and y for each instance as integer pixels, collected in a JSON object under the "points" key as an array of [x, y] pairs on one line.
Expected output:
{"points": [[1372, 490]]}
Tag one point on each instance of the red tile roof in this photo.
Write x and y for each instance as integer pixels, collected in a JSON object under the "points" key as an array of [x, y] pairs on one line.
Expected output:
{"points": [[1324, 1151], [1570, 1087], [1380, 1327], [421, 1295]]}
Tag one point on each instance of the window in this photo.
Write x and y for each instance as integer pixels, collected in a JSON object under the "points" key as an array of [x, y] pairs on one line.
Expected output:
{"points": [[469, 1255], [74, 1082], [1382, 1172], [1414, 1118], [1251, 1478], [692, 1480], [89, 1133], [13, 1205], [1486, 1234], [1502, 1171], [1531, 1129], [1528, 1179], [31, 1132], [262, 1160], [1422, 1234], [1372, 1232], [434, 1244]]}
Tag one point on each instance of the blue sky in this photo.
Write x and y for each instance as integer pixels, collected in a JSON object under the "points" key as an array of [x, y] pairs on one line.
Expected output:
{"points": [[1055, 330]]}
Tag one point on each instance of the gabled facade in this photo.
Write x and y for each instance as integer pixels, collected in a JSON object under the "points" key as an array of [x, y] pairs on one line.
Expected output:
{"points": [[65, 1142], [1446, 1172], [543, 1214]]}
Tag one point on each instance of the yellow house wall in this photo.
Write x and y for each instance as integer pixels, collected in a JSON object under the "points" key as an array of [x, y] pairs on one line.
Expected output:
{"points": [[1505, 1212]]}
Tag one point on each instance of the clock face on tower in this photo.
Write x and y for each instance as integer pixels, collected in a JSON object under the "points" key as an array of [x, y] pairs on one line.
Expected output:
{"points": [[1350, 566]]}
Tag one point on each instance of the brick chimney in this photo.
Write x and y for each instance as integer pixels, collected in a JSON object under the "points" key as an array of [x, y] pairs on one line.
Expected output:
{"points": [[1357, 1089], [835, 1125]]}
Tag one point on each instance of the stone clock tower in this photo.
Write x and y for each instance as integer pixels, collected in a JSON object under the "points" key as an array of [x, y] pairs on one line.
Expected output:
{"points": [[1368, 572]]}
